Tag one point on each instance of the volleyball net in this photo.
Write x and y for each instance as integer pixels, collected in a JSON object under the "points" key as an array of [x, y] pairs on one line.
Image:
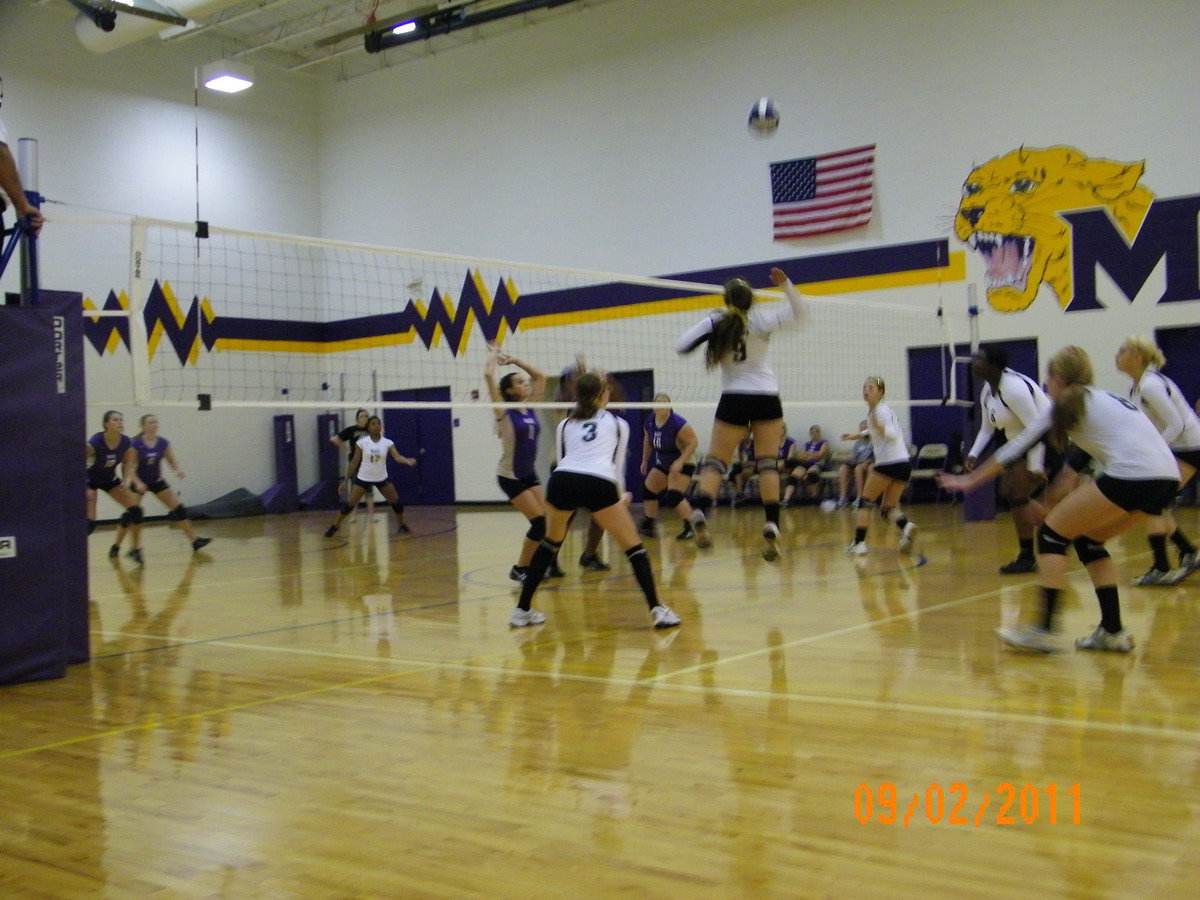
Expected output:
{"points": [[229, 317]]}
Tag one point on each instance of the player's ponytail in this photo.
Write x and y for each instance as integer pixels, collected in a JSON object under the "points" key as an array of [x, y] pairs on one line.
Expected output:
{"points": [[730, 329], [1073, 367], [588, 389]]}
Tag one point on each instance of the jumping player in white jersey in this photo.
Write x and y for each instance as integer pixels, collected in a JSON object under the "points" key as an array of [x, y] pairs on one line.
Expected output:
{"points": [[590, 449], [738, 338], [1160, 398], [368, 470], [1141, 476], [1009, 402], [893, 466]]}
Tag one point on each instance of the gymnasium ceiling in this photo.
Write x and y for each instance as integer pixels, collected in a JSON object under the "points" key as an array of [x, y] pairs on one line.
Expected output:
{"points": [[314, 38]]}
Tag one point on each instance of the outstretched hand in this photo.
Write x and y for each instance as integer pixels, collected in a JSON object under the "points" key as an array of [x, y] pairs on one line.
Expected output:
{"points": [[959, 484], [778, 277]]}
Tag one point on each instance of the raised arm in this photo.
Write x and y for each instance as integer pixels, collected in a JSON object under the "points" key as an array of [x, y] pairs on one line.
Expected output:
{"points": [[794, 298], [696, 335], [537, 378], [10, 182], [489, 378]]}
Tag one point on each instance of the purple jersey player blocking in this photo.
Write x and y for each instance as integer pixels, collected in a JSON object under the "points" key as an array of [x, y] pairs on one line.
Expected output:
{"points": [[519, 430]]}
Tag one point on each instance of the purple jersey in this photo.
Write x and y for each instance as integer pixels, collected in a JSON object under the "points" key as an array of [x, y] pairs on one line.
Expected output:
{"points": [[813, 447], [785, 449], [518, 459], [664, 439], [150, 459], [106, 465]]}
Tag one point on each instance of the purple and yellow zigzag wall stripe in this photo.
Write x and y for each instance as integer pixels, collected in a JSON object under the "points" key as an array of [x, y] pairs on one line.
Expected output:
{"points": [[504, 310]]}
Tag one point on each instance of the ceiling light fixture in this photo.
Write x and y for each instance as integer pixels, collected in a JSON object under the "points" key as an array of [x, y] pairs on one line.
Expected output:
{"points": [[227, 76]]}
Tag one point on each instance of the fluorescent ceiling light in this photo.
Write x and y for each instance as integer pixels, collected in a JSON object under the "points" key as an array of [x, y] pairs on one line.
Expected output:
{"points": [[405, 28], [227, 76]]}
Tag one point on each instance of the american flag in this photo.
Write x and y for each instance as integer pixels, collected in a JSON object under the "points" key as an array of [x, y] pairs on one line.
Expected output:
{"points": [[820, 194]]}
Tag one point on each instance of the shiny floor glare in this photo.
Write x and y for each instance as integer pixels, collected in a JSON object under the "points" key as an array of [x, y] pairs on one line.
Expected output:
{"points": [[283, 714]]}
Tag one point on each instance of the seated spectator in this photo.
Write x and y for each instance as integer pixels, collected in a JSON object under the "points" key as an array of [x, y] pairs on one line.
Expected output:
{"points": [[811, 464]]}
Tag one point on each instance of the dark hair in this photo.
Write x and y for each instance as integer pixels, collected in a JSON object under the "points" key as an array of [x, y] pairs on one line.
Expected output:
{"points": [[506, 383], [588, 388], [995, 355], [728, 331], [108, 414], [371, 419], [361, 412]]}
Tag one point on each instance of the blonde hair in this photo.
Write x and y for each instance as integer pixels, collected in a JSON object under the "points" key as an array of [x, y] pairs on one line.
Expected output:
{"points": [[879, 383], [1073, 367], [1146, 349]]}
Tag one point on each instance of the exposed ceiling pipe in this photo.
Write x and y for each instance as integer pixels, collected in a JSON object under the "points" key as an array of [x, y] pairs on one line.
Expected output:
{"points": [[129, 28]]}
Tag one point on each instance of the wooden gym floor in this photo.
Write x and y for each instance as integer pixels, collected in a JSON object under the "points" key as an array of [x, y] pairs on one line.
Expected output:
{"points": [[290, 716]]}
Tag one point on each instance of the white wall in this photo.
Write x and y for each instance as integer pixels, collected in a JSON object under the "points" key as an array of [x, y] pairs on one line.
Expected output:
{"points": [[614, 138]]}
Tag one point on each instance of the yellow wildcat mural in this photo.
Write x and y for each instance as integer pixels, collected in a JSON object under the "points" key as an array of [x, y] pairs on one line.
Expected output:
{"points": [[1010, 208]]}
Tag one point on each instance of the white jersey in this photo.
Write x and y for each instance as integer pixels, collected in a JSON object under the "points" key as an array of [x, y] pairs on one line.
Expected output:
{"points": [[373, 466], [1160, 398], [887, 437], [594, 446], [745, 369], [1017, 401], [1114, 432]]}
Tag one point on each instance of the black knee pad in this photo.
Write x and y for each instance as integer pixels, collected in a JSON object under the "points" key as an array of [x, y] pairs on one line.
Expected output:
{"points": [[813, 476], [1050, 541], [648, 494], [1018, 502], [869, 504], [670, 498], [125, 520], [398, 508], [537, 529], [344, 509], [136, 515], [178, 514], [793, 480], [767, 464], [1089, 550]]}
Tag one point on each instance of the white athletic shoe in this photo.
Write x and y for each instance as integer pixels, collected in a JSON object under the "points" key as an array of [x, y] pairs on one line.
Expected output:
{"points": [[522, 617], [700, 530], [1028, 637], [906, 537], [858, 548], [664, 617], [770, 550], [1152, 576], [1121, 642]]}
